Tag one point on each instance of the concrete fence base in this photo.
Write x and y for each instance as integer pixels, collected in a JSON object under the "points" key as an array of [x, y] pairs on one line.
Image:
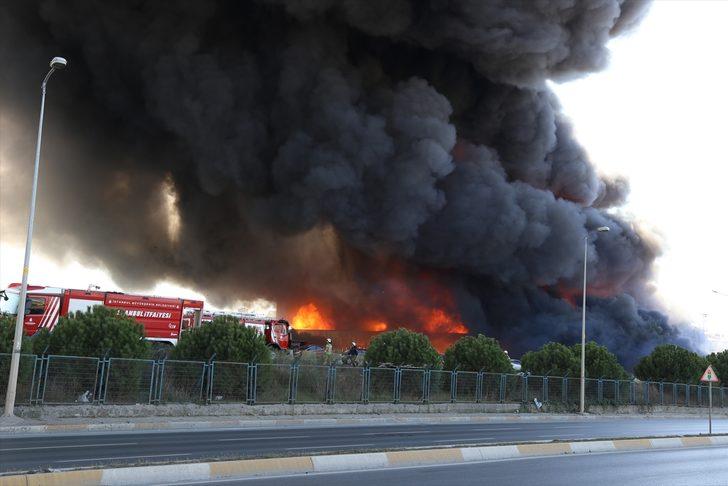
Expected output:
{"points": [[236, 410]]}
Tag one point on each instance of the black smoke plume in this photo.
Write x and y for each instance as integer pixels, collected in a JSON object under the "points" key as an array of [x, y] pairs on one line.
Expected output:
{"points": [[337, 151]]}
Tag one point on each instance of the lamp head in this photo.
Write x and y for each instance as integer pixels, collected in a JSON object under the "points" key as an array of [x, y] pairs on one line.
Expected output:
{"points": [[58, 63], [603, 229]]}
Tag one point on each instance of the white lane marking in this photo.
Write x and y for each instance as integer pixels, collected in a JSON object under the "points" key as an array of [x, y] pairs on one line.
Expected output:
{"points": [[76, 446], [326, 447], [397, 433], [455, 441], [557, 436], [497, 428], [122, 457], [264, 438]]}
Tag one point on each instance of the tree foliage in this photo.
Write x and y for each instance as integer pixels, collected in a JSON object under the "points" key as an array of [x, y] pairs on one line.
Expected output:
{"points": [[226, 339], [7, 333], [556, 359], [598, 362], [481, 353], [553, 359], [402, 348], [671, 363], [96, 332], [720, 364]]}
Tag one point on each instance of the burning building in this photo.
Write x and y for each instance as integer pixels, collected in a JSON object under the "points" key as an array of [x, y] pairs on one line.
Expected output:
{"points": [[365, 165]]}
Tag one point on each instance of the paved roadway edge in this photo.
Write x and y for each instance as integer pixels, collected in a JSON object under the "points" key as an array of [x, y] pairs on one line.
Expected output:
{"points": [[321, 422], [209, 471]]}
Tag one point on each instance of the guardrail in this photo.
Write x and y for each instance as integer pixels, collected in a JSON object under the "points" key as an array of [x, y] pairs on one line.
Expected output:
{"points": [[64, 380]]}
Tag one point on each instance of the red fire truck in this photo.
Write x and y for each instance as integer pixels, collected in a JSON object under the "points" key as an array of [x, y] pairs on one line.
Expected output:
{"points": [[163, 318]]}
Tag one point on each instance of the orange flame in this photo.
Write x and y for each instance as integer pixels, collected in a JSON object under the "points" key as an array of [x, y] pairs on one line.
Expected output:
{"points": [[438, 321], [309, 317], [376, 326]]}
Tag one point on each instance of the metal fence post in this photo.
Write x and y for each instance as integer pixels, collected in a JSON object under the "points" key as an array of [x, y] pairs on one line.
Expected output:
{"points": [[545, 394], [208, 379], [44, 381], [662, 394], [330, 377], [565, 390], [427, 385], [524, 388], [502, 389], [700, 396], [600, 390], [252, 385], [293, 384], [453, 386], [632, 393], [479, 387], [397, 384], [366, 382], [103, 381]]}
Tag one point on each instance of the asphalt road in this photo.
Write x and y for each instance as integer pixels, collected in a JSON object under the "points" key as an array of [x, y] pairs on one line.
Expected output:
{"points": [[684, 467], [40, 452]]}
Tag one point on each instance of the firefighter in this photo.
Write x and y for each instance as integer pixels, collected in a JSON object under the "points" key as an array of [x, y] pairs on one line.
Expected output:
{"points": [[353, 351], [328, 351]]}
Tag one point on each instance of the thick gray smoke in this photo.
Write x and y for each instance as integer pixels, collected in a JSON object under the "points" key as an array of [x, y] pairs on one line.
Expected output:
{"points": [[339, 151]]}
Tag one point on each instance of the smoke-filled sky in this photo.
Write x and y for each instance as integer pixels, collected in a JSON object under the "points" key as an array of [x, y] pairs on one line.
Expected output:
{"points": [[382, 159]]}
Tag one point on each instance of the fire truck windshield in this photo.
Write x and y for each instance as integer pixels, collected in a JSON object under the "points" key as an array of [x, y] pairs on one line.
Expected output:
{"points": [[9, 302]]}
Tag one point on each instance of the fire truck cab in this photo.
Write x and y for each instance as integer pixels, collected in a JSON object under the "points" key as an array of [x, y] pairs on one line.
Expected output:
{"points": [[276, 331]]}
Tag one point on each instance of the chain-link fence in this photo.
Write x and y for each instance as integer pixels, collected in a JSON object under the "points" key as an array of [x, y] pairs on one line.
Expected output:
{"points": [[77, 380], [26, 377], [128, 381]]}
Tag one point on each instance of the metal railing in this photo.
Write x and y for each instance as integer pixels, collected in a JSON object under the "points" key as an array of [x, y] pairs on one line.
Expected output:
{"points": [[56, 380]]}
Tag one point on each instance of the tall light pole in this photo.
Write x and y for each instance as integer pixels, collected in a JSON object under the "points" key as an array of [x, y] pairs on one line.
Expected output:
{"points": [[601, 229], [57, 63]]}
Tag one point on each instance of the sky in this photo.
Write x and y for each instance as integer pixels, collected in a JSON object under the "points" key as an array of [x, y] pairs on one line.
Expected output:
{"points": [[655, 115]]}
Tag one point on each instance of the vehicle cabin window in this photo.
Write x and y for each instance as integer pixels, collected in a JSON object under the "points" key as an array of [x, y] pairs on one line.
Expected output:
{"points": [[35, 305]]}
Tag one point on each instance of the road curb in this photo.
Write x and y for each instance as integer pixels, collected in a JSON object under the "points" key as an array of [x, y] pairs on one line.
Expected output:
{"points": [[347, 462], [313, 422]]}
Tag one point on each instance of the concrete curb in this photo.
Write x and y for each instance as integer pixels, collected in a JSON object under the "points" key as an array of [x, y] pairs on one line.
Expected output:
{"points": [[314, 422], [346, 462]]}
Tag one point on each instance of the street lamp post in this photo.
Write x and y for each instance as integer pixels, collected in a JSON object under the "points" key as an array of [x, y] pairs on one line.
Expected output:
{"points": [[57, 63], [601, 229]]}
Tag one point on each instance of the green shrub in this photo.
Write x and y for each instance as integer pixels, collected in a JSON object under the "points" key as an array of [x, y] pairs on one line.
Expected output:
{"points": [[720, 364], [671, 363], [7, 333], [225, 338], [479, 353], [402, 348], [598, 363], [553, 359], [96, 332]]}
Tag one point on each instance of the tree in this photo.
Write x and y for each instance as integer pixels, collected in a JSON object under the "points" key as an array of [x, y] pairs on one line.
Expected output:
{"points": [[671, 363], [555, 359], [471, 353], [7, 334], [598, 363], [552, 359], [402, 348], [225, 338], [98, 331], [720, 364]]}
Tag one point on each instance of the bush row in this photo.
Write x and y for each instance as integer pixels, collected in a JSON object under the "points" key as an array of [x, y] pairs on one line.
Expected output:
{"points": [[108, 332]]}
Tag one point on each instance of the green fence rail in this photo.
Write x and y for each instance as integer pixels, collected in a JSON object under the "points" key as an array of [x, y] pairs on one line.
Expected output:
{"points": [[65, 380]]}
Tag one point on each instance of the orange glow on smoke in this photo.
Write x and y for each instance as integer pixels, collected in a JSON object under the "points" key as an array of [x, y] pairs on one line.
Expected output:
{"points": [[438, 321], [376, 326], [309, 317]]}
